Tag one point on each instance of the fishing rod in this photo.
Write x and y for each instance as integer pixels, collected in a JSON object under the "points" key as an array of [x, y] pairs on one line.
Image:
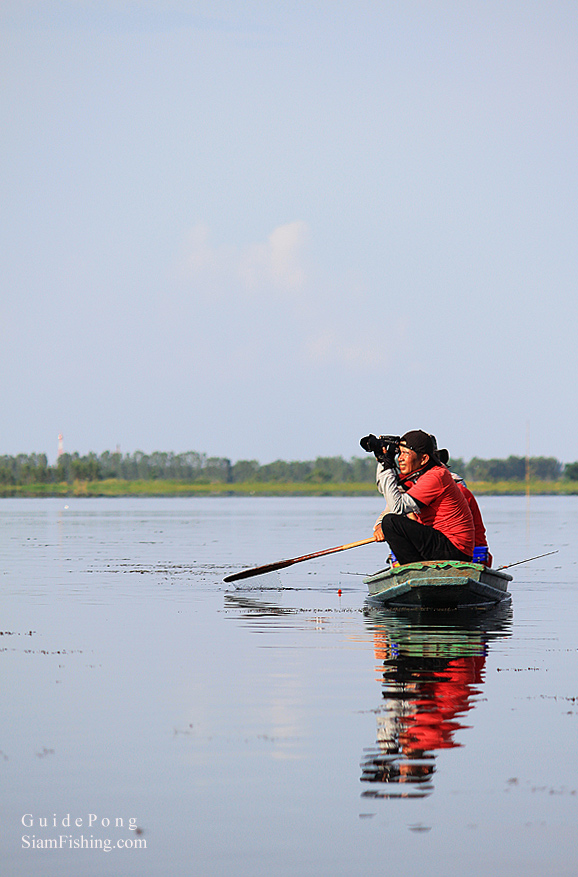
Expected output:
{"points": [[528, 559]]}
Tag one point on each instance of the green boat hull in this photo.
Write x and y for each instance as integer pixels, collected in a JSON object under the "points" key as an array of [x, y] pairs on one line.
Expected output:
{"points": [[438, 584]]}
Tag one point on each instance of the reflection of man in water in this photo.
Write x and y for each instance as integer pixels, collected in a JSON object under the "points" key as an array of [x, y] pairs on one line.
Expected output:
{"points": [[424, 695], [442, 694]]}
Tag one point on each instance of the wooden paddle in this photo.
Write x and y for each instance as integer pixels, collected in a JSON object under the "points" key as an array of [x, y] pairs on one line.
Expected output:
{"points": [[281, 564]]}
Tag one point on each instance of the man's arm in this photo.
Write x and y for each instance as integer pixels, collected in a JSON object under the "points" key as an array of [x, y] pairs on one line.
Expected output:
{"points": [[398, 502]]}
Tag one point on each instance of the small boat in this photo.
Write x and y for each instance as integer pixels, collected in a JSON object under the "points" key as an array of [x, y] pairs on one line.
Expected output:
{"points": [[438, 584]]}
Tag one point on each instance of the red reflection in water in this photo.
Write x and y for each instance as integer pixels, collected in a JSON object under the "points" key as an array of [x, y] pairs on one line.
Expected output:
{"points": [[441, 696], [427, 685]]}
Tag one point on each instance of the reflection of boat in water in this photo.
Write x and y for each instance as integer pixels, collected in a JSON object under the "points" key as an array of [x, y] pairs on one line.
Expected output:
{"points": [[432, 669], [438, 584]]}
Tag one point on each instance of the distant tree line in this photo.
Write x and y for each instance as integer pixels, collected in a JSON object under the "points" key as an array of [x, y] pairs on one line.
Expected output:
{"points": [[514, 469], [189, 467], [199, 468]]}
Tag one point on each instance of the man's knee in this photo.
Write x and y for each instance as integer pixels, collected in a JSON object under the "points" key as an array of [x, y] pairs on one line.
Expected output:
{"points": [[388, 524]]}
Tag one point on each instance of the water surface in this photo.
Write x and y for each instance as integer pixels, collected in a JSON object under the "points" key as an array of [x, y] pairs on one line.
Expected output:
{"points": [[279, 727]]}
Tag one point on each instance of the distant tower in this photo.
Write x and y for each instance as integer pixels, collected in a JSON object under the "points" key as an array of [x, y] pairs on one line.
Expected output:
{"points": [[60, 446]]}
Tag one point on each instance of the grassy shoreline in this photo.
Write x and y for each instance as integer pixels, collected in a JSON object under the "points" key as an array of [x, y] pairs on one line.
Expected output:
{"points": [[116, 487]]}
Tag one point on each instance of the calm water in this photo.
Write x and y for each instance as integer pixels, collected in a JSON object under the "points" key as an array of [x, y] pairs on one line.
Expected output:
{"points": [[278, 728]]}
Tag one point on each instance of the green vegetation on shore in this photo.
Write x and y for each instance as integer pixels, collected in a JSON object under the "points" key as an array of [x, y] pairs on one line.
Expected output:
{"points": [[194, 474], [120, 487]]}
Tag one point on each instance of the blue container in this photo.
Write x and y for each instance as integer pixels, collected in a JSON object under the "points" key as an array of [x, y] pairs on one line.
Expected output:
{"points": [[481, 554]]}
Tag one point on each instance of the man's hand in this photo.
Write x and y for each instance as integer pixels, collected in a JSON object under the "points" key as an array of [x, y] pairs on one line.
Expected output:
{"points": [[387, 456], [377, 531]]}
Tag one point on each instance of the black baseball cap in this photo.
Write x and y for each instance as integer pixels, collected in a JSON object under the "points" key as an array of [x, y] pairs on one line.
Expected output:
{"points": [[419, 441]]}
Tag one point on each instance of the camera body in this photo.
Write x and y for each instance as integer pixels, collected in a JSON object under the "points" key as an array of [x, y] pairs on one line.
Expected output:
{"points": [[375, 444]]}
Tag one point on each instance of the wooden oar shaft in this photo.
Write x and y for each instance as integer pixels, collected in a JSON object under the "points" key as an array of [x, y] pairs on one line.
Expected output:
{"points": [[281, 564]]}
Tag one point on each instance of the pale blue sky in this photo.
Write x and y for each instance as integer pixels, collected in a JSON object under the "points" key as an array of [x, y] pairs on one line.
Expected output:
{"points": [[262, 230]]}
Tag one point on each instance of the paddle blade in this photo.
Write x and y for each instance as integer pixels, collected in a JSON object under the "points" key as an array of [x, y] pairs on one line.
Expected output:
{"points": [[258, 570]]}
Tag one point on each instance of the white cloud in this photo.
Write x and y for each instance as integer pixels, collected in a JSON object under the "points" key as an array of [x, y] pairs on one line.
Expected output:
{"points": [[201, 264], [330, 347], [320, 321], [279, 262], [273, 267]]}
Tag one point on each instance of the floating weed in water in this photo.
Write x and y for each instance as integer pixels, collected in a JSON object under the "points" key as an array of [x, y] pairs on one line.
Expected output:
{"points": [[517, 669], [14, 633], [514, 782], [186, 731]]}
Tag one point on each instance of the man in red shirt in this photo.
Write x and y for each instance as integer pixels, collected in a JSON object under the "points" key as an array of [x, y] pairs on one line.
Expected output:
{"points": [[441, 526], [480, 540]]}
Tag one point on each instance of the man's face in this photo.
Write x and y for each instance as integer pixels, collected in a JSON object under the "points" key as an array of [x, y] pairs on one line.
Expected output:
{"points": [[409, 462]]}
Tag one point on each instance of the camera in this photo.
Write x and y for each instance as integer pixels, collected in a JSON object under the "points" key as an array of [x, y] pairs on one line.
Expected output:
{"points": [[375, 445]]}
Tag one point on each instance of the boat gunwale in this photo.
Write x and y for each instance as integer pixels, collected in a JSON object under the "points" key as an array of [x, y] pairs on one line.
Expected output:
{"points": [[389, 586], [395, 572]]}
